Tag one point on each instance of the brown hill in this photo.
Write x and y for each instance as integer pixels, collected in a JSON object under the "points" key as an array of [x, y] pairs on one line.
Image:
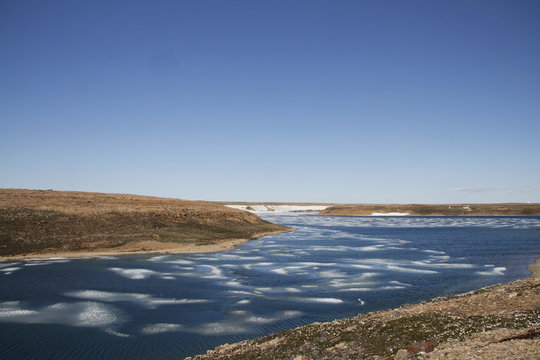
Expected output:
{"points": [[502, 209], [46, 222]]}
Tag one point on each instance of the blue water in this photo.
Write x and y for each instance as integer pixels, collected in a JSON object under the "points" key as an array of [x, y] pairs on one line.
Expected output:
{"points": [[172, 306]]}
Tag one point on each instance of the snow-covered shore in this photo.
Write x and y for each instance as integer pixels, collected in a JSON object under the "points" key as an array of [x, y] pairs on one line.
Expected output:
{"points": [[278, 209]]}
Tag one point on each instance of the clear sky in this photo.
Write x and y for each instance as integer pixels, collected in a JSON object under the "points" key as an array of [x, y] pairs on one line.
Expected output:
{"points": [[298, 100]]}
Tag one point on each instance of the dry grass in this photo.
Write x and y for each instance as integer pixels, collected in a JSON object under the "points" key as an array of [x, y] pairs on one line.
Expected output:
{"points": [[44, 221]]}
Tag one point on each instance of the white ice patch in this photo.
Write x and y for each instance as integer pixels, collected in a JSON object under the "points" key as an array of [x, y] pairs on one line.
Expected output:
{"points": [[332, 274], [292, 290], [286, 270], [316, 300], [240, 292], [180, 262], [160, 328], [83, 314], [278, 209], [116, 333], [215, 272], [434, 251], [359, 266], [218, 328], [233, 283], [404, 269], [159, 258], [9, 270], [390, 214], [311, 263], [239, 323], [134, 274], [443, 265], [146, 300], [493, 271], [7, 265]]}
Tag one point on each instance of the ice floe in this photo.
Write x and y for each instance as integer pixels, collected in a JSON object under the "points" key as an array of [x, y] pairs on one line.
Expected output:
{"points": [[10, 270], [316, 300], [134, 274], [152, 329], [494, 271], [239, 323], [146, 300], [83, 314]]}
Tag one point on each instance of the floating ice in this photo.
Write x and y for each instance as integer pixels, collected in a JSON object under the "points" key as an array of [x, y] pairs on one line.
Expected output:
{"points": [[216, 273], [434, 251], [494, 271], [152, 329], [9, 270], [180, 262], [359, 266], [134, 274], [332, 274], [4, 265], [404, 269], [116, 333], [316, 300], [239, 323], [84, 314], [144, 299]]}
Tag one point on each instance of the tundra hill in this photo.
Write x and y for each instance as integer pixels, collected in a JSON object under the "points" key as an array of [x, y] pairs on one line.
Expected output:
{"points": [[46, 222], [502, 209]]}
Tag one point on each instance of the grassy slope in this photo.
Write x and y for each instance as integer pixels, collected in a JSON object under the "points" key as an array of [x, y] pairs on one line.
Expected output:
{"points": [[503, 209], [37, 221]]}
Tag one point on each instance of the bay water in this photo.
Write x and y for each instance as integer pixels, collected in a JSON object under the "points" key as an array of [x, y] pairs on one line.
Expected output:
{"points": [[173, 306]]}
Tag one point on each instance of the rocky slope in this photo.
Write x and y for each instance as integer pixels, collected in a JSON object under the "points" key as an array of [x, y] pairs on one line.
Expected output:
{"points": [[47, 222], [508, 209], [497, 322]]}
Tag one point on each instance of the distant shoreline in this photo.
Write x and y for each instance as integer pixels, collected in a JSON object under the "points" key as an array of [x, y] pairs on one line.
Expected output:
{"points": [[495, 209]]}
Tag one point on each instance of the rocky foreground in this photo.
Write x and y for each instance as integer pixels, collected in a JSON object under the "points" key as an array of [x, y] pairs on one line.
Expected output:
{"points": [[68, 223], [497, 322]]}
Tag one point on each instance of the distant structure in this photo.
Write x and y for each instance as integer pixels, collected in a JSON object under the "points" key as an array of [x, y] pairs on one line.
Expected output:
{"points": [[466, 207]]}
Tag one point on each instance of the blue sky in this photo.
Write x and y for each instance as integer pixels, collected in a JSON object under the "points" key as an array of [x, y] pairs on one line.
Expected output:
{"points": [[302, 100]]}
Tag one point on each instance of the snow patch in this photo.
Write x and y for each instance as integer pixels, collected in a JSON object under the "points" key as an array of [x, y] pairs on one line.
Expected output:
{"points": [[390, 214], [278, 209]]}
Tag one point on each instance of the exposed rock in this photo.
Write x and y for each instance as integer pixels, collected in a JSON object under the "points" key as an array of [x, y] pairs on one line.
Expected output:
{"points": [[402, 355]]}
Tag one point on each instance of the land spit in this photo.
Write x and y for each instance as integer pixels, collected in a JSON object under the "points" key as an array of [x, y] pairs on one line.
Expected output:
{"points": [[46, 223], [501, 209], [495, 322]]}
